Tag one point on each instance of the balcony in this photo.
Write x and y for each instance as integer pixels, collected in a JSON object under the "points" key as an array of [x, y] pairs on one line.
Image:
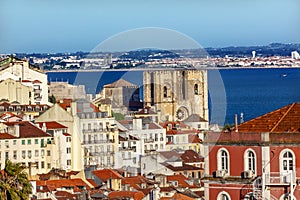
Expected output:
{"points": [[277, 178], [149, 140], [100, 130], [104, 153], [126, 148]]}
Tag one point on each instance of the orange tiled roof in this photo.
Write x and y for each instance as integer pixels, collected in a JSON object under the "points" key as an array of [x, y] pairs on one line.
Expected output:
{"points": [[194, 138], [51, 125], [6, 136], [92, 182], [54, 184], [135, 181], [178, 196], [28, 130], [105, 174], [285, 119], [191, 156], [181, 179], [126, 194]]}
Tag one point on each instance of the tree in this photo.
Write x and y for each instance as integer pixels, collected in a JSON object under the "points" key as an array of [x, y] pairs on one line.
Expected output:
{"points": [[52, 99], [14, 183]]}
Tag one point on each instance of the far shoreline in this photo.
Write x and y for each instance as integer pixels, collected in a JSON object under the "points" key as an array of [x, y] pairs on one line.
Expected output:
{"points": [[162, 69]]}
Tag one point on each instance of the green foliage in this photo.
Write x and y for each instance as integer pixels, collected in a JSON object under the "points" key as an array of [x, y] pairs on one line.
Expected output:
{"points": [[14, 183], [227, 127], [118, 116], [52, 99]]}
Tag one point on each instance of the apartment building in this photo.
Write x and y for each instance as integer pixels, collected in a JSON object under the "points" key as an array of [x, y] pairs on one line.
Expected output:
{"points": [[27, 74]]}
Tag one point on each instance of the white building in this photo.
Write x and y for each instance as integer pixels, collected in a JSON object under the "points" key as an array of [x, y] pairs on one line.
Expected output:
{"points": [[24, 142], [29, 75]]}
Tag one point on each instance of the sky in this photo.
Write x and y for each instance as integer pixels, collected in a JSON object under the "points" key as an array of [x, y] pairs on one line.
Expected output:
{"points": [[49, 26]]}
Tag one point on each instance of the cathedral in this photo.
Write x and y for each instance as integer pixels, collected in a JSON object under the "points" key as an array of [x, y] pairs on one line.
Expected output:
{"points": [[177, 94]]}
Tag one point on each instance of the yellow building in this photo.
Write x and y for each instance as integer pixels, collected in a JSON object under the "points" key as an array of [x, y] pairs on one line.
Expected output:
{"points": [[15, 91]]}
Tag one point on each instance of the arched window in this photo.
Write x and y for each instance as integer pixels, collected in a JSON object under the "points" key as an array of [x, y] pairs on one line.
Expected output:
{"points": [[250, 161], [165, 91], [223, 160], [196, 91], [287, 161], [223, 196]]}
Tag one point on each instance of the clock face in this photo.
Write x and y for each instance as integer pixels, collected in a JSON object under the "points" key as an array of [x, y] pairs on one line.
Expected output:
{"points": [[180, 114]]}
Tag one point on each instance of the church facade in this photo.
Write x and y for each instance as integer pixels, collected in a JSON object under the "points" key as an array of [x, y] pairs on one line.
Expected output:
{"points": [[177, 94]]}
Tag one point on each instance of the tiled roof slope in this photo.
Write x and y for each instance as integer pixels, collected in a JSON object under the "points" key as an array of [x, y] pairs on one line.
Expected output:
{"points": [[285, 119], [106, 174], [28, 130]]}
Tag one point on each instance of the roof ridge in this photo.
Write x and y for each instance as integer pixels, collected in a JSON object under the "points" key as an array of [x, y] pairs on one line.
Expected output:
{"points": [[280, 120]]}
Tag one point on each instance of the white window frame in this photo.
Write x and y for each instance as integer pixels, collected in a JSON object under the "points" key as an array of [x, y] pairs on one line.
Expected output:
{"points": [[220, 195], [281, 159], [246, 161], [219, 160]]}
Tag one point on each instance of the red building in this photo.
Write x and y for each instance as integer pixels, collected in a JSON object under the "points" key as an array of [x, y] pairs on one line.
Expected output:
{"points": [[259, 159]]}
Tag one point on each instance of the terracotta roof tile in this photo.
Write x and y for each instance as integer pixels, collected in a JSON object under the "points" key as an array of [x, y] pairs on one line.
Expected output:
{"points": [[106, 174], [126, 194], [28, 130], [285, 119], [191, 156], [6, 136], [54, 184], [51, 125]]}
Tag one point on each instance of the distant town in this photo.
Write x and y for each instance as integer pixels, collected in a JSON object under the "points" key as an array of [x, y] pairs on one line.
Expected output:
{"points": [[273, 55], [57, 142]]}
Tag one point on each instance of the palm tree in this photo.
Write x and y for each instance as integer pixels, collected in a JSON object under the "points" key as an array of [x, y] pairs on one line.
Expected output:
{"points": [[14, 183]]}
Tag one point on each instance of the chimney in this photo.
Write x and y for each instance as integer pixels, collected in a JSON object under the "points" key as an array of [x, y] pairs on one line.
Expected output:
{"points": [[236, 123], [44, 128], [137, 124], [74, 108], [17, 130]]}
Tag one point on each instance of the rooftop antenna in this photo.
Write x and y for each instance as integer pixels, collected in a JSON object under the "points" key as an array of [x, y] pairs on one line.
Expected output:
{"points": [[236, 123], [242, 118]]}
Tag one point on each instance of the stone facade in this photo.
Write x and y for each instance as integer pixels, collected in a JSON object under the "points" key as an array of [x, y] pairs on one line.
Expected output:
{"points": [[177, 93]]}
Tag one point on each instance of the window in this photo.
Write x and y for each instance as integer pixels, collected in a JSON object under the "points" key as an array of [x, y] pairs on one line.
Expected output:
{"points": [[36, 141], [250, 161], [48, 153], [223, 160], [223, 196], [42, 152], [23, 154], [29, 153], [23, 142], [68, 150], [196, 89], [165, 92], [14, 142], [42, 164], [29, 142], [49, 165], [15, 155], [68, 139], [6, 155], [36, 153], [68, 162], [287, 161]]}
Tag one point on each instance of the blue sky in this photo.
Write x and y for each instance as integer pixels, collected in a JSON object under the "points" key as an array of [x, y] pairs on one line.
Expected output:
{"points": [[70, 25]]}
